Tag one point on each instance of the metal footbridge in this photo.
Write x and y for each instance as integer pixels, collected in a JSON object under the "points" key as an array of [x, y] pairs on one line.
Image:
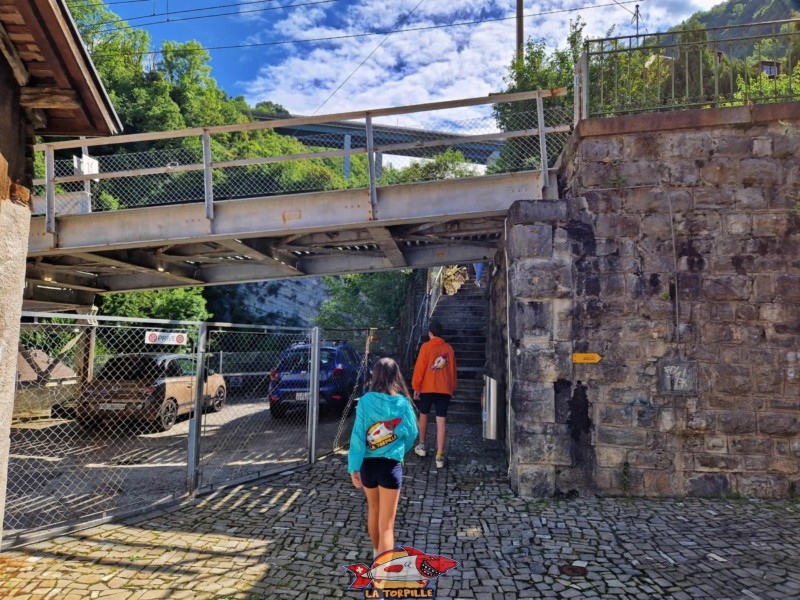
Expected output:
{"points": [[197, 207]]}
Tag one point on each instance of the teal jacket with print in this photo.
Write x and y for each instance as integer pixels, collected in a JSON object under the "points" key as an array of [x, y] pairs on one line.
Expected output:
{"points": [[385, 427]]}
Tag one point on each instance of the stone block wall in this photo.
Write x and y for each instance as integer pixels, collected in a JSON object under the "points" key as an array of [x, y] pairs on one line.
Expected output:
{"points": [[675, 255]]}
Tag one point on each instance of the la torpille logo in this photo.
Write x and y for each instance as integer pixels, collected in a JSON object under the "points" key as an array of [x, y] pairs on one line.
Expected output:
{"points": [[440, 362], [400, 573], [381, 433]]}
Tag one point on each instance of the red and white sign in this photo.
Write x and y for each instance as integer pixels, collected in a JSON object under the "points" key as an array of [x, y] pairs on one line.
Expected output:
{"points": [[164, 338]]}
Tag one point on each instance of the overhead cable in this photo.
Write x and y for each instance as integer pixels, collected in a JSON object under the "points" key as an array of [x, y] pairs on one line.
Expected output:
{"points": [[334, 38], [374, 50], [235, 12]]}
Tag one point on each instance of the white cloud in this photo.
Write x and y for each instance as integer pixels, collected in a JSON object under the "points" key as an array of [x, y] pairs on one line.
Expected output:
{"points": [[422, 66]]}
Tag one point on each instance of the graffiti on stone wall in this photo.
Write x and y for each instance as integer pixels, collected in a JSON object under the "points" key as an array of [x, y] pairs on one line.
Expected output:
{"points": [[677, 377], [642, 409]]}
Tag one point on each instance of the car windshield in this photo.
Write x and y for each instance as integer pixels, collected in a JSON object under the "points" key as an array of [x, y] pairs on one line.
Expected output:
{"points": [[296, 359], [131, 368]]}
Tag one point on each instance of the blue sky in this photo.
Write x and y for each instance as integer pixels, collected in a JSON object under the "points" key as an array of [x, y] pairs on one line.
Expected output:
{"points": [[409, 67]]}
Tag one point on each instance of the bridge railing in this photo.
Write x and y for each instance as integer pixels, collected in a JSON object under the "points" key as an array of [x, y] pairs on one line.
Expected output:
{"points": [[689, 68], [368, 149]]}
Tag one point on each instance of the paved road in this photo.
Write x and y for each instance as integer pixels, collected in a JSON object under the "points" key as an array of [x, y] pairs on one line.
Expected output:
{"points": [[288, 537]]}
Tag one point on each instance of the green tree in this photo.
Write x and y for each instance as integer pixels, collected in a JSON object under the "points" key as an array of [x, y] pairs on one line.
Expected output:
{"points": [[185, 304], [536, 69], [272, 108], [450, 164], [367, 300]]}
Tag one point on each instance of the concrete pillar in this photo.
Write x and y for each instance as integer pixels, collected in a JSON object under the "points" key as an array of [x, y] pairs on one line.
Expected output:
{"points": [[14, 226]]}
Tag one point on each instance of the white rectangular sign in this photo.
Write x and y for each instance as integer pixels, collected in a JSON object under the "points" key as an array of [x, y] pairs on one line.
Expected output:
{"points": [[175, 338]]}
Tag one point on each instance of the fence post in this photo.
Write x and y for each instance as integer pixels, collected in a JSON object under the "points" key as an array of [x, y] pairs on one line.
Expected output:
{"points": [[584, 85], [313, 397], [50, 173], [577, 81], [348, 143], [87, 185], [195, 424], [208, 183], [542, 142], [373, 183]]}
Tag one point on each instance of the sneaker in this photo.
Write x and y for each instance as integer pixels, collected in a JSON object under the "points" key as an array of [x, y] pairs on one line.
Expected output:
{"points": [[419, 449], [440, 461]]}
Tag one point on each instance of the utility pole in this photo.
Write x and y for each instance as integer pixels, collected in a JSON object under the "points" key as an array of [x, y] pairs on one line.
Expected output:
{"points": [[520, 31], [637, 17]]}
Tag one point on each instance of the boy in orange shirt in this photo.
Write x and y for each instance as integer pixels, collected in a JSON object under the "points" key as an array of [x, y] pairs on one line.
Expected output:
{"points": [[434, 382]]}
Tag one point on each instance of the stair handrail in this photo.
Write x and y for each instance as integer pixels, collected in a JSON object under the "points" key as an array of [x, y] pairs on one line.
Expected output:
{"points": [[426, 307]]}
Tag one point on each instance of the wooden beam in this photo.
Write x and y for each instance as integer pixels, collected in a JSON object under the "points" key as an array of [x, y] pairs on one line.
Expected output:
{"points": [[5, 180], [37, 117], [46, 97], [9, 50]]}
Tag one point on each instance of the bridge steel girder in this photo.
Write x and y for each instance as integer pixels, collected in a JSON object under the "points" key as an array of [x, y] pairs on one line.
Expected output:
{"points": [[268, 238], [253, 271], [476, 197], [51, 297]]}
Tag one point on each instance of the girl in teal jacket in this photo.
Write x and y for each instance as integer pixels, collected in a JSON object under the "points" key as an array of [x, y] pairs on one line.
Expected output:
{"points": [[384, 430]]}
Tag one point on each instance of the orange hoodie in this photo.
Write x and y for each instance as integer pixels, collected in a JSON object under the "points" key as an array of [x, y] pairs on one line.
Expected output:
{"points": [[435, 371]]}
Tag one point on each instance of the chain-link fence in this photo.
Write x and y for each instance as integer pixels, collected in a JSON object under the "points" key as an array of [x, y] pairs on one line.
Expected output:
{"points": [[103, 420], [99, 419], [261, 425]]}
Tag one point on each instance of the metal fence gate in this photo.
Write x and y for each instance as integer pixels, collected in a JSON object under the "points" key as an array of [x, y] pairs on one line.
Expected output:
{"points": [[113, 416]]}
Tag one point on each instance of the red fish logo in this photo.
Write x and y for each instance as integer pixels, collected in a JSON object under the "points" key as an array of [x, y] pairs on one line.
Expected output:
{"points": [[382, 433], [406, 568], [441, 362]]}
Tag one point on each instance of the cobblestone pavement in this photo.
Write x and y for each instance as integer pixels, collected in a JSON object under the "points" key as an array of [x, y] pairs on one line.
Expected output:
{"points": [[288, 537]]}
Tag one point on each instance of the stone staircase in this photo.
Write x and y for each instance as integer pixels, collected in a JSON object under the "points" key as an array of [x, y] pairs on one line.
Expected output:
{"points": [[463, 316]]}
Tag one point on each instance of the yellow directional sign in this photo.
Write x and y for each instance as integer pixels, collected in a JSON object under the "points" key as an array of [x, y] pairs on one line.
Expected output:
{"points": [[586, 358]]}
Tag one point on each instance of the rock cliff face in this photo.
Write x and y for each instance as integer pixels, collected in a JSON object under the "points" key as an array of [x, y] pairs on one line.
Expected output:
{"points": [[293, 302], [675, 255]]}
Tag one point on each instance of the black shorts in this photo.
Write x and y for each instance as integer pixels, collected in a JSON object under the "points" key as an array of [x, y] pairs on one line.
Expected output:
{"points": [[440, 401], [384, 472]]}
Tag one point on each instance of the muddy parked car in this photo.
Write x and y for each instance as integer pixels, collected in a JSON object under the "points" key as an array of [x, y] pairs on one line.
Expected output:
{"points": [[154, 388]]}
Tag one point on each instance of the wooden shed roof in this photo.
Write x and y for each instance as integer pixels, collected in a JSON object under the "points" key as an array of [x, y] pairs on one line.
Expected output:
{"points": [[60, 89]]}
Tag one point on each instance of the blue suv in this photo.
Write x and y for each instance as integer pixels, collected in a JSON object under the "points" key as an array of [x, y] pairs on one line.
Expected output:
{"points": [[341, 374]]}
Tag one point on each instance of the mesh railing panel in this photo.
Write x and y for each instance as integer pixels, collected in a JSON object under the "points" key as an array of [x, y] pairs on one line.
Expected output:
{"points": [[437, 148], [100, 421], [260, 426], [338, 404]]}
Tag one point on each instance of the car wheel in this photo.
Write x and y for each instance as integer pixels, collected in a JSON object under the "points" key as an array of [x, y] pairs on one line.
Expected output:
{"points": [[168, 415], [278, 412], [217, 400]]}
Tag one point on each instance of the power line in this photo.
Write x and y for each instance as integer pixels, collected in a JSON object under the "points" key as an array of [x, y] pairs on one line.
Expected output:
{"points": [[374, 50], [108, 3], [235, 12], [178, 12], [334, 38], [637, 16]]}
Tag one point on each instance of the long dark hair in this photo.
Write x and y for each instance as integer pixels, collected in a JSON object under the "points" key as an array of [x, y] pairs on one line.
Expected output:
{"points": [[387, 378]]}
